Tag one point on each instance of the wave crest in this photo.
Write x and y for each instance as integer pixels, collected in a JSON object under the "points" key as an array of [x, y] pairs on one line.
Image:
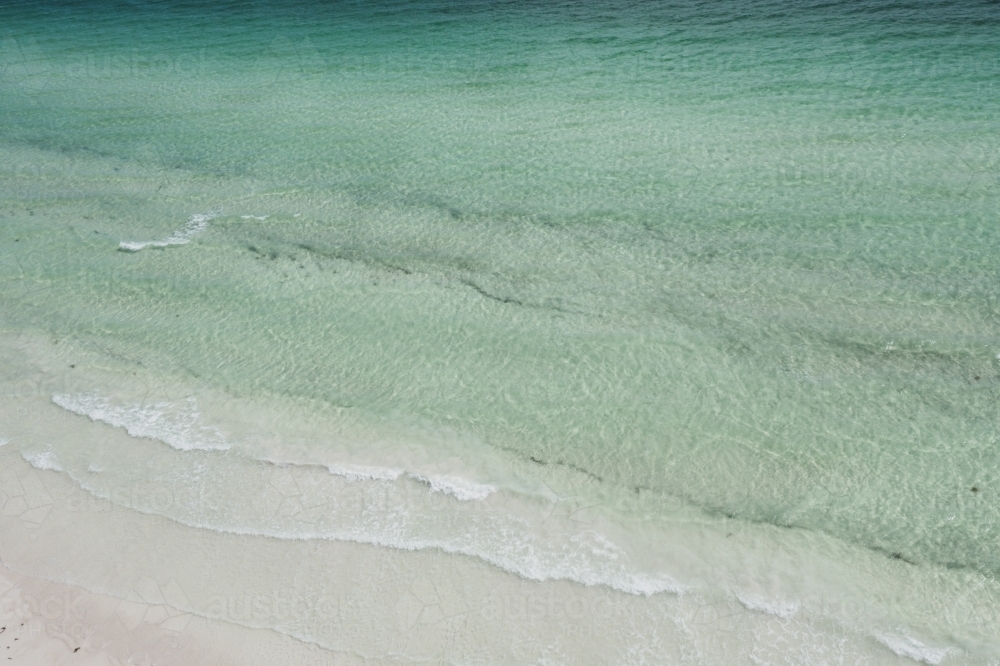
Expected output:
{"points": [[196, 224]]}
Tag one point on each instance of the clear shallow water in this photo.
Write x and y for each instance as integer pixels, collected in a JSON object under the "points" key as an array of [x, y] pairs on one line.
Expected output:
{"points": [[688, 263]]}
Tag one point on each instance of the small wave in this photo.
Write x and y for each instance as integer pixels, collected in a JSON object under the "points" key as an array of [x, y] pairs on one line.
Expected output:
{"points": [[178, 428], [389, 520], [363, 472], [42, 460], [195, 225], [507, 542], [459, 488], [4, 441], [518, 556], [907, 646], [782, 609], [462, 489], [254, 217]]}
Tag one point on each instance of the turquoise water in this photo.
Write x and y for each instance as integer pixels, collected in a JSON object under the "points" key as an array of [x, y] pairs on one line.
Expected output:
{"points": [[694, 262]]}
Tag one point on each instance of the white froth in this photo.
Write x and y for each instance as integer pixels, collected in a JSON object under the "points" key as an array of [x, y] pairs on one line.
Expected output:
{"points": [[4, 441], [598, 545], [362, 472], [42, 460], [907, 646], [462, 489], [177, 427], [195, 225], [254, 217], [783, 609], [507, 544]]}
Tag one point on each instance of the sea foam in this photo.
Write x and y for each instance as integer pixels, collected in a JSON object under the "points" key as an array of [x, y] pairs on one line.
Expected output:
{"points": [[365, 472], [516, 552], [782, 609], [907, 646], [177, 427], [394, 516], [195, 225], [42, 460], [462, 489]]}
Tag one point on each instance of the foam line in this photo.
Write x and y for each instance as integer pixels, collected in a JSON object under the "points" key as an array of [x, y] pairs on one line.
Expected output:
{"points": [[196, 224], [782, 609], [518, 557], [462, 489], [906, 646], [364, 473], [42, 460], [178, 428]]}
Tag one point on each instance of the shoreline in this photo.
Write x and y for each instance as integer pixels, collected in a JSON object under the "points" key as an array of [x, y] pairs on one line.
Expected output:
{"points": [[223, 575]]}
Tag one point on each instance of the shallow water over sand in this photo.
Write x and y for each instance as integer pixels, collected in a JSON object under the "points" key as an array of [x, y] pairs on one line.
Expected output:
{"points": [[666, 308]]}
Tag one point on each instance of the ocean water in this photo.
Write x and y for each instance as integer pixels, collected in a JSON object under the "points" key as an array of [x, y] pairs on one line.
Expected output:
{"points": [[691, 306]]}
